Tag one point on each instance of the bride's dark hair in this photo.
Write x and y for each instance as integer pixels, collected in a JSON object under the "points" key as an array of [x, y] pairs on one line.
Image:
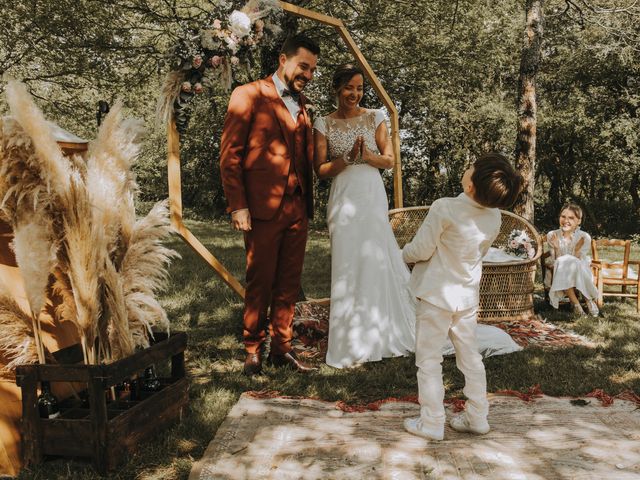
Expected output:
{"points": [[343, 74]]}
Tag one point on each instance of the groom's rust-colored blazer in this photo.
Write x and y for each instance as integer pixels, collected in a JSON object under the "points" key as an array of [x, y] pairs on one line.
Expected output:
{"points": [[260, 140], [256, 151]]}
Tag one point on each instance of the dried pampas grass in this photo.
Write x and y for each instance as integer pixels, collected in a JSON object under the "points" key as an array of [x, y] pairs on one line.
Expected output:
{"points": [[55, 169], [120, 339], [168, 95], [83, 238], [110, 178], [144, 268], [76, 220], [61, 287], [17, 342], [35, 254], [21, 184]]}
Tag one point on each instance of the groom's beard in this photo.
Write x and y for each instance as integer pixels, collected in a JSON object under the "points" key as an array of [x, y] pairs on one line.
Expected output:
{"points": [[291, 85]]}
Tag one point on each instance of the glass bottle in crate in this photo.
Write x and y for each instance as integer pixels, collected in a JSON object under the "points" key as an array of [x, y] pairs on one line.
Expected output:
{"points": [[47, 403], [150, 381]]}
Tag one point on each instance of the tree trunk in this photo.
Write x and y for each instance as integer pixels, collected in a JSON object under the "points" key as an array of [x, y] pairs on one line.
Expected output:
{"points": [[634, 191], [527, 106]]}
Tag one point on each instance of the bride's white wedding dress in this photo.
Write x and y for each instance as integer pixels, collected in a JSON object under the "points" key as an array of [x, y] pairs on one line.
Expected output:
{"points": [[372, 314]]}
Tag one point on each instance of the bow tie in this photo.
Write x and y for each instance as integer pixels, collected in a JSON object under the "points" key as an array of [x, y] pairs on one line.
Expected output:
{"points": [[288, 93]]}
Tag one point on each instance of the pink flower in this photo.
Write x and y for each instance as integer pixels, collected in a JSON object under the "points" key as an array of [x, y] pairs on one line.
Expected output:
{"points": [[531, 252], [215, 61], [197, 61], [235, 60], [197, 88], [513, 244], [217, 24], [186, 86]]}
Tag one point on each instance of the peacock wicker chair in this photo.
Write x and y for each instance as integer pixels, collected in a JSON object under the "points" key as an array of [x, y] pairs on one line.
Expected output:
{"points": [[506, 289]]}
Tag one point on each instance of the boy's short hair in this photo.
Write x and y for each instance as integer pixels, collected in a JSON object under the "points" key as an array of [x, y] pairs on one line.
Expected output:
{"points": [[497, 184], [292, 44]]}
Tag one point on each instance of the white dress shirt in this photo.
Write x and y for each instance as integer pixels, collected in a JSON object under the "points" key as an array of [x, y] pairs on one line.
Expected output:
{"points": [[448, 250], [292, 105]]}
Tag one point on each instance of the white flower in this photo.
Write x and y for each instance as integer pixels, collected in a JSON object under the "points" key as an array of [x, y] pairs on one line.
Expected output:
{"points": [[232, 44], [235, 61], [240, 23]]}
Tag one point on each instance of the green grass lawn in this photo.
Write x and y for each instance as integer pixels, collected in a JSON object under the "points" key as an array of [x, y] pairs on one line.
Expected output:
{"points": [[201, 304]]}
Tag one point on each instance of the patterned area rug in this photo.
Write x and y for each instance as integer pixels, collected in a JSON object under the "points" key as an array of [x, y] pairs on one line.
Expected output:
{"points": [[543, 438], [311, 327]]}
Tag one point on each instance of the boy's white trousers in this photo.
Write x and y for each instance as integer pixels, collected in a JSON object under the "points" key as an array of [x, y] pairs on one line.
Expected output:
{"points": [[432, 326]]}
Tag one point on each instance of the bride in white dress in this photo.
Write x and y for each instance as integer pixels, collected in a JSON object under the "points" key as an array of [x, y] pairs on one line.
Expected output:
{"points": [[372, 314]]}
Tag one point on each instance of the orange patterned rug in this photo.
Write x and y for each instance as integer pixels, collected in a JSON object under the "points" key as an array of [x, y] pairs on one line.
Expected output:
{"points": [[311, 327]]}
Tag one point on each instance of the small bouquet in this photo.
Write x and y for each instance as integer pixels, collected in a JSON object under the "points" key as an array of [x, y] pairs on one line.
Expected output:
{"points": [[520, 245]]}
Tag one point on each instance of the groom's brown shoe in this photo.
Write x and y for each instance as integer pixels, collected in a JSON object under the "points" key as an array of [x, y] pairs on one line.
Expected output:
{"points": [[291, 360], [253, 364]]}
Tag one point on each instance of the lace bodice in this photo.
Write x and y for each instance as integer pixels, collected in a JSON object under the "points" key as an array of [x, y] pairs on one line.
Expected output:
{"points": [[341, 133]]}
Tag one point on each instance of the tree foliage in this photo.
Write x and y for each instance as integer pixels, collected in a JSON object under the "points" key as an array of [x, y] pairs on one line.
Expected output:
{"points": [[450, 66]]}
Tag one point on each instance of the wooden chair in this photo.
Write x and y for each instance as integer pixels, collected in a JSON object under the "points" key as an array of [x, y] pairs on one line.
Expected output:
{"points": [[616, 274]]}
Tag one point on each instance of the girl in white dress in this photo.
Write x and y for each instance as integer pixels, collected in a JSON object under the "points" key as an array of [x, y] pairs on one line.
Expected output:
{"points": [[570, 262], [372, 313]]}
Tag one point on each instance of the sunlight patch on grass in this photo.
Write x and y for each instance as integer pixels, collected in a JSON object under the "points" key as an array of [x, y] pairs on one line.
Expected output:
{"points": [[626, 378]]}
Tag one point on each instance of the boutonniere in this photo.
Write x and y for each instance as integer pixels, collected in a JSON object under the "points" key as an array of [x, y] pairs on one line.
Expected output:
{"points": [[311, 110]]}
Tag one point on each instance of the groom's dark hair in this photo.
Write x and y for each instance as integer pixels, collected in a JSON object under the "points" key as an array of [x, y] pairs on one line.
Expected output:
{"points": [[497, 184], [292, 44]]}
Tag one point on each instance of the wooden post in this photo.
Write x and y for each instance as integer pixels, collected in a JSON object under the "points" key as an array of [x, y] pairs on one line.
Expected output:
{"points": [[98, 406], [175, 209], [31, 431], [177, 366]]}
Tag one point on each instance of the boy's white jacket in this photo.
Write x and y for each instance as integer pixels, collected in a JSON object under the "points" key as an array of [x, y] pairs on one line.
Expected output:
{"points": [[448, 249]]}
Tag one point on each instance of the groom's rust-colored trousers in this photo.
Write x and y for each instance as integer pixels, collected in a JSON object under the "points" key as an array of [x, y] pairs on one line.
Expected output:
{"points": [[275, 254]]}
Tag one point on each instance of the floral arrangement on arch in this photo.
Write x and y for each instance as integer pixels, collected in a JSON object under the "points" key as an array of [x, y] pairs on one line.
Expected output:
{"points": [[520, 245], [212, 53]]}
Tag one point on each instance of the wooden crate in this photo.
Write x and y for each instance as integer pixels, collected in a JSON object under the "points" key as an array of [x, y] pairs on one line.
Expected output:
{"points": [[103, 431]]}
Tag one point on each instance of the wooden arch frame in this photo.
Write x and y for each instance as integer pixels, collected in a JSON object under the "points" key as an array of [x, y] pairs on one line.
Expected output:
{"points": [[173, 158]]}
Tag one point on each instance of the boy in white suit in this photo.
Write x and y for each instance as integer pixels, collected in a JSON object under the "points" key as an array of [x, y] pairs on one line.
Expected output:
{"points": [[447, 251]]}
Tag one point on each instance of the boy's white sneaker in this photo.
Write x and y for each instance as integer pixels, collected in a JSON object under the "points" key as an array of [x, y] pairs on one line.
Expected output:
{"points": [[460, 423], [415, 426], [593, 308]]}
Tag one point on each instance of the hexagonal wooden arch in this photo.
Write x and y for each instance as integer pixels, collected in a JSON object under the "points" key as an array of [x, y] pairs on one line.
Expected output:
{"points": [[173, 140]]}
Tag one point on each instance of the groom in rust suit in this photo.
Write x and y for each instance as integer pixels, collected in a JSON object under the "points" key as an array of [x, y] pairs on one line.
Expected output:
{"points": [[266, 156]]}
